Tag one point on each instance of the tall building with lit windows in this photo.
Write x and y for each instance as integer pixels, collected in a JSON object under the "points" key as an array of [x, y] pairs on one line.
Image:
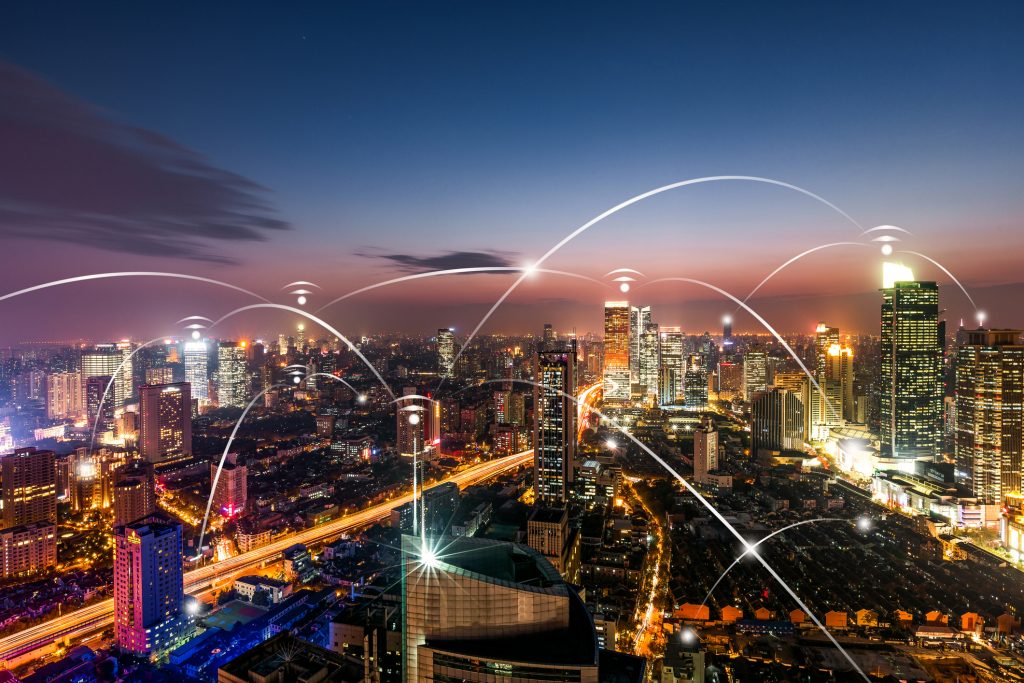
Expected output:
{"points": [[149, 616], [990, 413], [231, 493], [910, 409], [197, 370], [833, 404], [232, 375], [165, 421], [650, 360], [29, 487], [554, 427], [104, 360], [639, 319], [695, 383], [755, 373], [418, 425], [445, 352], [672, 368], [616, 352], [64, 396]]}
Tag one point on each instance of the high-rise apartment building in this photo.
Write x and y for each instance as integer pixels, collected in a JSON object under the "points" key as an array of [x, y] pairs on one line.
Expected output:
{"points": [[639, 319], [990, 413], [232, 491], [165, 422], [418, 426], [27, 548], [755, 373], [617, 381], [134, 492], [232, 375], [705, 451], [649, 361], [695, 383], [64, 396], [29, 487], [672, 367], [148, 587], [104, 360], [910, 424], [777, 421], [197, 370], [445, 352], [554, 428]]}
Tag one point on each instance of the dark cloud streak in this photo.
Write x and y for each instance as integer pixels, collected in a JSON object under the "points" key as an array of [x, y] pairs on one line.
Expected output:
{"points": [[72, 174], [447, 261]]}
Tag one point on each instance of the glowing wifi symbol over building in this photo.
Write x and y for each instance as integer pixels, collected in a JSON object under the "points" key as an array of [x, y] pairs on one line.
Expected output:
{"points": [[196, 323], [296, 372], [623, 277], [886, 235], [299, 289]]}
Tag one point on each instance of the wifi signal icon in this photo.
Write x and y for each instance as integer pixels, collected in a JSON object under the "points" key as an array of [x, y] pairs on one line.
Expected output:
{"points": [[623, 277], [196, 323], [886, 235], [298, 289]]}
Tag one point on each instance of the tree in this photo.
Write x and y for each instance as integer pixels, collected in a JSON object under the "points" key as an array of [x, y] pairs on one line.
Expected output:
{"points": [[261, 598]]}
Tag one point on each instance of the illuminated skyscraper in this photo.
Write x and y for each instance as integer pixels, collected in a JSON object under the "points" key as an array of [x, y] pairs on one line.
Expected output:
{"points": [[29, 487], [148, 587], [232, 492], [616, 352], [64, 395], [134, 492], [554, 428], [197, 370], [165, 422], [445, 352], [728, 343], [672, 369], [549, 333], [777, 421], [695, 383], [105, 361], [639, 320], [418, 426], [705, 451], [833, 372], [990, 413], [232, 375], [911, 367], [755, 373], [94, 392], [650, 360]]}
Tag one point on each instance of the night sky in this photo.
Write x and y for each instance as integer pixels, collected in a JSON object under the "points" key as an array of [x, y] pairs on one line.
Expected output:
{"points": [[349, 143]]}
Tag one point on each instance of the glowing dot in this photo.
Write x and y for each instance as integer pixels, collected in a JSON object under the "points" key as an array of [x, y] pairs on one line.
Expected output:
{"points": [[302, 300], [610, 443], [195, 334], [301, 327], [361, 398], [981, 318], [727, 320], [414, 419], [864, 523], [428, 558], [296, 379], [529, 269], [192, 607], [624, 287], [886, 249], [688, 636]]}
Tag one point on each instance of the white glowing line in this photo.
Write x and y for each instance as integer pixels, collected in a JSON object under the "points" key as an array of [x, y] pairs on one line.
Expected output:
{"points": [[618, 207], [459, 271], [106, 390], [887, 228], [751, 548], [946, 271], [761, 320], [141, 273], [796, 258], [220, 466], [711, 508], [298, 283], [324, 324]]}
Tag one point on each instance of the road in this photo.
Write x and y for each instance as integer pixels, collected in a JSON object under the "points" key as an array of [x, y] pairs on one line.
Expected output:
{"points": [[99, 616], [586, 398]]}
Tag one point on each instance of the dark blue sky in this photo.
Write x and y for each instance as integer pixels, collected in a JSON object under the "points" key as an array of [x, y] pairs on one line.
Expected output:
{"points": [[418, 129]]}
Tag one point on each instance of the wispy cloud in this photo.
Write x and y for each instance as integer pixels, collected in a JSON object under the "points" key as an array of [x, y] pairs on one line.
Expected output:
{"points": [[447, 260], [71, 173]]}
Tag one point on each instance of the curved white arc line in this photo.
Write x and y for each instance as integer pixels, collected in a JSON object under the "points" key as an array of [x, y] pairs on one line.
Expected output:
{"points": [[752, 547], [887, 228], [302, 283], [711, 508], [946, 271], [322, 323], [405, 397], [799, 256], [139, 273], [223, 457], [458, 271], [106, 390], [761, 320], [618, 207]]}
